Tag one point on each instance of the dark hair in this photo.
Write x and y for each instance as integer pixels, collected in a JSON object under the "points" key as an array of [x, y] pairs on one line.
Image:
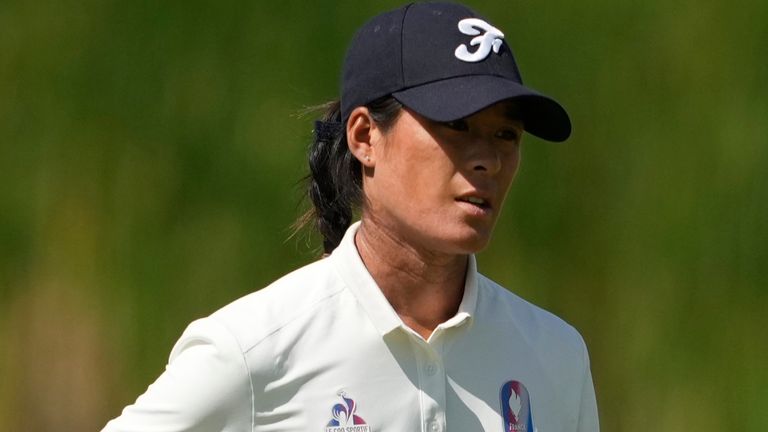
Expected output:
{"points": [[335, 182]]}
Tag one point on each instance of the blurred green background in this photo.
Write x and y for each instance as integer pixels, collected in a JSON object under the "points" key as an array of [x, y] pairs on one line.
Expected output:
{"points": [[150, 154]]}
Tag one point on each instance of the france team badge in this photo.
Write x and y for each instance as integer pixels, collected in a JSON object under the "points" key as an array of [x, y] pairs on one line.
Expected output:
{"points": [[516, 408]]}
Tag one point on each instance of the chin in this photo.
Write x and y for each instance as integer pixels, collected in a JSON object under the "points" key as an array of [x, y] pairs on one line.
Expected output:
{"points": [[472, 241], [475, 246], [455, 237]]}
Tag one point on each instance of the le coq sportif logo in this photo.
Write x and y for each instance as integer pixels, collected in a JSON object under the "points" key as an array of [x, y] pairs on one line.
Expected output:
{"points": [[345, 418], [487, 38]]}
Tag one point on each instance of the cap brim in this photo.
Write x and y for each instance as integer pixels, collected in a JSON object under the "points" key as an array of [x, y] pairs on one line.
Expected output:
{"points": [[459, 97]]}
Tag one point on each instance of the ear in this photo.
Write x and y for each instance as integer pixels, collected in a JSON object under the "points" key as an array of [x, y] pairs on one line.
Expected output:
{"points": [[362, 136]]}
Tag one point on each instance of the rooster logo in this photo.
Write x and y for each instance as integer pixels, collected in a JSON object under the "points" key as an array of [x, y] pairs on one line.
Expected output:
{"points": [[344, 414]]}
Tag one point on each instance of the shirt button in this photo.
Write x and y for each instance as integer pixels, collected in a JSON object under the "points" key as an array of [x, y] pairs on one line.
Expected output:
{"points": [[434, 427], [431, 369]]}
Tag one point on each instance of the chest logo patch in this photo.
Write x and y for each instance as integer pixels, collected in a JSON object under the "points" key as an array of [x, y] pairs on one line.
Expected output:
{"points": [[516, 408], [345, 418]]}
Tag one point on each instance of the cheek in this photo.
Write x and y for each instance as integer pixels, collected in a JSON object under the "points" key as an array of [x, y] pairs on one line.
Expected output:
{"points": [[515, 169], [411, 183], [511, 167], [418, 167], [514, 162]]}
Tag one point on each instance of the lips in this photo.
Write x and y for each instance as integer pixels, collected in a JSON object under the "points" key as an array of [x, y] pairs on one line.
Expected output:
{"points": [[475, 199]]}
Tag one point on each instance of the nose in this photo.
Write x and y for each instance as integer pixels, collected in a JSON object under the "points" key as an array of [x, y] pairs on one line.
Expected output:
{"points": [[483, 157]]}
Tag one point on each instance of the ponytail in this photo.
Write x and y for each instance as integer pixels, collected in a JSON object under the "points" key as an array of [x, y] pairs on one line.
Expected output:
{"points": [[335, 181]]}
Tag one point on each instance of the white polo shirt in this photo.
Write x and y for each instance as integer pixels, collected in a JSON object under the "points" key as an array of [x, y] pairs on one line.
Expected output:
{"points": [[322, 350]]}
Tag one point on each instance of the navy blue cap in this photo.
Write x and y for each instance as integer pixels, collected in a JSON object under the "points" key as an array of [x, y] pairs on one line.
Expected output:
{"points": [[444, 62]]}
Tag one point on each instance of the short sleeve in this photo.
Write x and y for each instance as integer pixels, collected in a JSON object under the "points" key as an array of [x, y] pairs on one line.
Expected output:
{"points": [[205, 387], [588, 418]]}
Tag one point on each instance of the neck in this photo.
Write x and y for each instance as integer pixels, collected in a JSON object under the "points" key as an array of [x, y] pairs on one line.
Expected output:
{"points": [[424, 288]]}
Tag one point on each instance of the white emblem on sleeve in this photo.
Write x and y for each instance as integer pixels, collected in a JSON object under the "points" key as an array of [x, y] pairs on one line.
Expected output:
{"points": [[490, 39]]}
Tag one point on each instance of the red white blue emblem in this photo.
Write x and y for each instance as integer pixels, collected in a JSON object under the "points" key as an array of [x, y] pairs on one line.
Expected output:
{"points": [[516, 408], [345, 418]]}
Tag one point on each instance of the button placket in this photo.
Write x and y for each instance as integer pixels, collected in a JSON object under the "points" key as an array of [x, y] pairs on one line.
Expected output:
{"points": [[430, 369], [432, 382]]}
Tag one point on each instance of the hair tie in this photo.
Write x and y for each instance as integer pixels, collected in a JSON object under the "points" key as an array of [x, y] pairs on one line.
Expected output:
{"points": [[327, 130]]}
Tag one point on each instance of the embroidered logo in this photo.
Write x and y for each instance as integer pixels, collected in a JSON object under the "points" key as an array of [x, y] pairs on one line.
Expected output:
{"points": [[516, 408], [490, 39], [344, 417]]}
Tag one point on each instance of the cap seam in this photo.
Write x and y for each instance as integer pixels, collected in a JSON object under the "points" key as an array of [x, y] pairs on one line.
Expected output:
{"points": [[402, 27]]}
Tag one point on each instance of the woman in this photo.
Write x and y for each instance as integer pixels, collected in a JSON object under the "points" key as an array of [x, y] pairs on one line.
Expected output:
{"points": [[395, 330]]}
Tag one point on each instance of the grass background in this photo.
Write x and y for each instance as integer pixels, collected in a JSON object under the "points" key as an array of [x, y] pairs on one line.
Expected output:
{"points": [[150, 154]]}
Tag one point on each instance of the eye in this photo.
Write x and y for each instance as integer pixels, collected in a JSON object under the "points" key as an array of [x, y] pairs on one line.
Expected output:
{"points": [[457, 125], [508, 134]]}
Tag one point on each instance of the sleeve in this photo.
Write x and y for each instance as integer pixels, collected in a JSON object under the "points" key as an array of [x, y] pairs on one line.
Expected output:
{"points": [[205, 387], [588, 418]]}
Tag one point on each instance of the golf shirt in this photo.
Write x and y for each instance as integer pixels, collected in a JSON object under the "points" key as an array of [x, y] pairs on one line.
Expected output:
{"points": [[322, 350]]}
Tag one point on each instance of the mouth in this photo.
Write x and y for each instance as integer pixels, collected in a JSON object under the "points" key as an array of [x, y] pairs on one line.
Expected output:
{"points": [[476, 201]]}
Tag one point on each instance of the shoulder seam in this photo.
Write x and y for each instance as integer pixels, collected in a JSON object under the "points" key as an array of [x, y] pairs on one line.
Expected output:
{"points": [[244, 352], [298, 314], [247, 368]]}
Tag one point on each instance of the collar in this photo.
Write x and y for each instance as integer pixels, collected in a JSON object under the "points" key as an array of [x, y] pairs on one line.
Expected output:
{"points": [[350, 267]]}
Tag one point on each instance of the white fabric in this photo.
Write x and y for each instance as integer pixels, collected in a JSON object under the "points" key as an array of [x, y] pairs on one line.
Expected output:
{"points": [[322, 350], [491, 39]]}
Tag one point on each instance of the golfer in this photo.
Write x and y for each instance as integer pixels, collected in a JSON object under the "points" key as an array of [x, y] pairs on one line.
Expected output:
{"points": [[394, 329]]}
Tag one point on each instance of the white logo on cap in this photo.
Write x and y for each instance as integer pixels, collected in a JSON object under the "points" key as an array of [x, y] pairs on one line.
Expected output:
{"points": [[491, 39]]}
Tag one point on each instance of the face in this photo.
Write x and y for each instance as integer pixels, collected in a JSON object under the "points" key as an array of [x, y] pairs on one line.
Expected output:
{"points": [[441, 186]]}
